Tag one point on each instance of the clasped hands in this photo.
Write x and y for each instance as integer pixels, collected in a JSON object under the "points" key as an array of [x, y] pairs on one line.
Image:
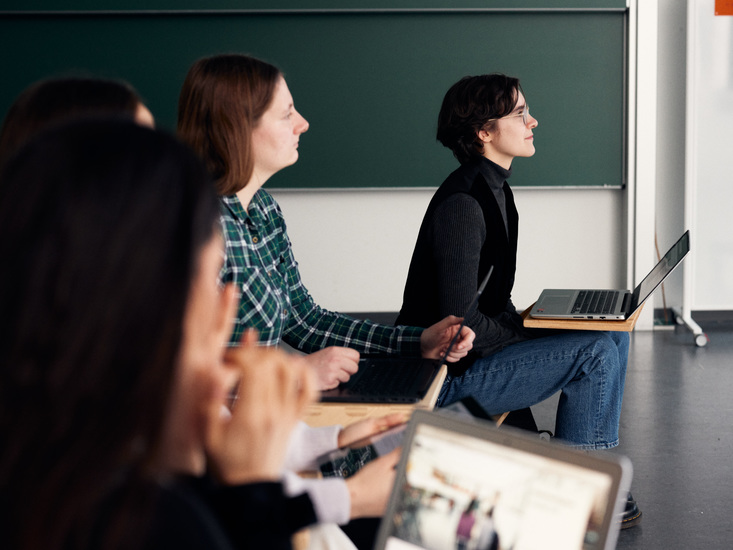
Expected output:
{"points": [[334, 365]]}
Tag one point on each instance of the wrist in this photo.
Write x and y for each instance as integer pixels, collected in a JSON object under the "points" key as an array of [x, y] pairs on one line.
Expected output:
{"points": [[244, 474], [353, 490]]}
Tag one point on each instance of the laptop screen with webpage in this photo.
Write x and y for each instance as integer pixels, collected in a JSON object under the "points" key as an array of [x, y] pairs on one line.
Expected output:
{"points": [[466, 484]]}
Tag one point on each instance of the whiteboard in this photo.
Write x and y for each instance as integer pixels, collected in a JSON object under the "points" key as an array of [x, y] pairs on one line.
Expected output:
{"points": [[709, 158]]}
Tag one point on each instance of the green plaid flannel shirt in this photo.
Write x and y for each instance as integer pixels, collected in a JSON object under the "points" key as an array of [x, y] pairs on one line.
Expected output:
{"points": [[260, 261]]}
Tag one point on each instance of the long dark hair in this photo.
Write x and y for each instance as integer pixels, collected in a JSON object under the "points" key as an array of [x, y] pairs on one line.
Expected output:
{"points": [[222, 99], [56, 100], [468, 107], [101, 226]]}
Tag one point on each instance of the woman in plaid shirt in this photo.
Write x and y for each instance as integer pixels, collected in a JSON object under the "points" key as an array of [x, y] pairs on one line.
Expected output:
{"points": [[237, 113]]}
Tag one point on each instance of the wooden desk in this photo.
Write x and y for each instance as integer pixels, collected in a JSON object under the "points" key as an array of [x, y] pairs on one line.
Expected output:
{"points": [[581, 324], [327, 414]]}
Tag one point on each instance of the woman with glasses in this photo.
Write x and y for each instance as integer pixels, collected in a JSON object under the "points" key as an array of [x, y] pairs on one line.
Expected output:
{"points": [[472, 224]]}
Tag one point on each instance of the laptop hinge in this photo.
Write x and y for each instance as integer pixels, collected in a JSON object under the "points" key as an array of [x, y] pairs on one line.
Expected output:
{"points": [[626, 305]]}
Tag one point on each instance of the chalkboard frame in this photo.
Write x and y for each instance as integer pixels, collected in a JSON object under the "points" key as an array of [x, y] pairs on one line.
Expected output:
{"points": [[383, 137]]}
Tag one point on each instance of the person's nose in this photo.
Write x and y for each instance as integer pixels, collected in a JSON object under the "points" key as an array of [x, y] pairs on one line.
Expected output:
{"points": [[301, 125]]}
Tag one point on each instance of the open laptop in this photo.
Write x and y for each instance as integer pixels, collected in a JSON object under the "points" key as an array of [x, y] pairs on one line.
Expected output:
{"points": [[598, 305], [395, 379], [467, 484]]}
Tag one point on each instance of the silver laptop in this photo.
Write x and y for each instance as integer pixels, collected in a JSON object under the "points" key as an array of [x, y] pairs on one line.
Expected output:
{"points": [[467, 484], [598, 305]]}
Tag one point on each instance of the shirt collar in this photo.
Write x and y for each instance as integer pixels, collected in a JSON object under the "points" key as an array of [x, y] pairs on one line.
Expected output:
{"points": [[254, 214]]}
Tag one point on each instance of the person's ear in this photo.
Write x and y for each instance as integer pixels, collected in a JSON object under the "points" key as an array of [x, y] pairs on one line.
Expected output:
{"points": [[484, 136]]}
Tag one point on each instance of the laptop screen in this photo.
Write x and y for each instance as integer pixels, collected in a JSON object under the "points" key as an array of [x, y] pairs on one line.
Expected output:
{"points": [[665, 266], [464, 485]]}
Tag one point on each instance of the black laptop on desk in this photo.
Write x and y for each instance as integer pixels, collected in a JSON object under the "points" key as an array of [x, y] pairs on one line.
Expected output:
{"points": [[395, 379]]}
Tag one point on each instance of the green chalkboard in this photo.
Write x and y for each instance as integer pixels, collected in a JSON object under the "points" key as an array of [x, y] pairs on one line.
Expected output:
{"points": [[370, 82]]}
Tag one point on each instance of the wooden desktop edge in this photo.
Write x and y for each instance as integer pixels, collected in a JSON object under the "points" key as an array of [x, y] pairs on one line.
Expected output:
{"points": [[581, 324]]}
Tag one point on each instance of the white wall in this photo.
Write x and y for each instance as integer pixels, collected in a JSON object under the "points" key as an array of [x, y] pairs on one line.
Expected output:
{"points": [[709, 161], [354, 247]]}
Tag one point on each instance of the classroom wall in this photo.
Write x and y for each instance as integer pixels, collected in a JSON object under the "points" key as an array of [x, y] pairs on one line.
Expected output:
{"points": [[354, 247]]}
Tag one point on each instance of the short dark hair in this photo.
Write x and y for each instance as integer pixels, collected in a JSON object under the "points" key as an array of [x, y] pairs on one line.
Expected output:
{"points": [[222, 99], [102, 224], [56, 100], [467, 108]]}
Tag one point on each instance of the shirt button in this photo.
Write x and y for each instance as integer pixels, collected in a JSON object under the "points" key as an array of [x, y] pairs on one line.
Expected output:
{"points": [[255, 240]]}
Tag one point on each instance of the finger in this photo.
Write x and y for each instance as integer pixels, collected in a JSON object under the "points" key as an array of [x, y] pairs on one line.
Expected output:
{"points": [[347, 353], [329, 385], [350, 367], [308, 388], [467, 336], [343, 376], [449, 322], [257, 375], [229, 301], [250, 337], [393, 419], [215, 426]]}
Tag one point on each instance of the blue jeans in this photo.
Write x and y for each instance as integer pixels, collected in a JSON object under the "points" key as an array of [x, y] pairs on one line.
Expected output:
{"points": [[588, 367]]}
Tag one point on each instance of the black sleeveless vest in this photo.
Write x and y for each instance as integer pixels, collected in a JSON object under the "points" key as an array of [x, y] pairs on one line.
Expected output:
{"points": [[420, 305]]}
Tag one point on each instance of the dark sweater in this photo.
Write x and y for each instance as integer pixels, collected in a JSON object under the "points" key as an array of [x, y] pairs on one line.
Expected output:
{"points": [[465, 231], [195, 513]]}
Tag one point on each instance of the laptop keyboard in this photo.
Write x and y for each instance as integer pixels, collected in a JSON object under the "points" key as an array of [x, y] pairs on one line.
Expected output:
{"points": [[378, 380], [595, 302]]}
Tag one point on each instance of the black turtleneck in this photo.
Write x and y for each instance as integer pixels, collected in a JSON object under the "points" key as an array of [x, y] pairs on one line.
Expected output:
{"points": [[471, 224], [496, 177]]}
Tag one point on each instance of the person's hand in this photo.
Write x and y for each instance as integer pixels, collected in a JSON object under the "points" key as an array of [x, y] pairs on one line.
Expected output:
{"points": [[333, 365], [369, 426], [436, 339], [273, 391], [370, 487]]}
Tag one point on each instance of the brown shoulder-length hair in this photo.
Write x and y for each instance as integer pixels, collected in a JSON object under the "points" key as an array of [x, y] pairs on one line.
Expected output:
{"points": [[222, 99]]}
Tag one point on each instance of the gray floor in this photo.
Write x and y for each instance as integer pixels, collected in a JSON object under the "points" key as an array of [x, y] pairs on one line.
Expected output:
{"points": [[677, 429]]}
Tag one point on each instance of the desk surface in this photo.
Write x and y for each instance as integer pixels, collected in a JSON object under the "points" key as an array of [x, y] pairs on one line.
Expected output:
{"points": [[326, 414], [581, 324]]}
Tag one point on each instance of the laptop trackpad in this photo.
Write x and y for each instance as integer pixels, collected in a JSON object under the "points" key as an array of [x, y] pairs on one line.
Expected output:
{"points": [[556, 301]]}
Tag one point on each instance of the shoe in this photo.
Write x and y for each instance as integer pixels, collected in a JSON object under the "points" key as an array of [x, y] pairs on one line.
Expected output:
{"points": [[631, 516]]}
